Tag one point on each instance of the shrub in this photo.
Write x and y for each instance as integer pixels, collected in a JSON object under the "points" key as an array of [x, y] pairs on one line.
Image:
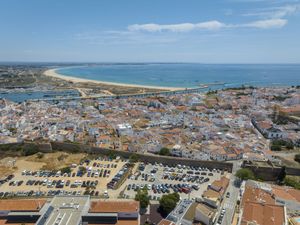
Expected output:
{"points": [[277, 144], [66, 170], [292, 182], [297, 158], [62, 157], [245, 174], [289, 145], [40, 155], [164, 151], [133, 158], [275, 147], [82, 169]]}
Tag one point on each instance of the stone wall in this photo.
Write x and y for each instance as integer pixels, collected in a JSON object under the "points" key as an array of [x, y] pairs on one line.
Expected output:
{"points": [[69, 147], [269, 173]]}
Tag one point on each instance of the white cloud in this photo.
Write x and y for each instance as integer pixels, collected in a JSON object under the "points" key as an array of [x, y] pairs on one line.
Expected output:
{"points": [[209, 25], [181, 27], [286, 11], [276, 12], [267, 24]]}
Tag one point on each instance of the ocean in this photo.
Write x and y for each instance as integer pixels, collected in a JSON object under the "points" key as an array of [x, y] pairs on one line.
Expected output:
{"points": [[190, 75]]}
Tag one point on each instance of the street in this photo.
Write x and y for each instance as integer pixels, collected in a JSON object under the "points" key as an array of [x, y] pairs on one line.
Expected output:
{"points": [[230, 202]]}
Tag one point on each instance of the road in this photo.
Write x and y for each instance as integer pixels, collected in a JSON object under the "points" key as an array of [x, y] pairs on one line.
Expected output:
{"points": [[230, 203], [125, 96]]}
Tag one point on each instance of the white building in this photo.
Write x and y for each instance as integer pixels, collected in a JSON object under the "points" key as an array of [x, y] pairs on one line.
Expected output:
{"points": [[125, 129]]}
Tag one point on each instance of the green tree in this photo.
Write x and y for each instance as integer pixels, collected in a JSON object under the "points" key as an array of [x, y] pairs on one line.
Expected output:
{"points": [[245, 174], [133, 158], [164, 151], [292, 182], [281, 175], [289, 145], [278, 144], [66, 170], [297, 158], [112, 154], [82, 169], [168, 202], [143, 198], [275, 147]]}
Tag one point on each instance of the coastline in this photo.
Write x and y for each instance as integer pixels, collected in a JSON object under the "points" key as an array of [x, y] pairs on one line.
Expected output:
{"points": [[54, 74]]}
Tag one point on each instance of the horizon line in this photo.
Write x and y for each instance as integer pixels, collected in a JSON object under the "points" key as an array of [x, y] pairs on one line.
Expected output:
{"points": [[152, 62]]}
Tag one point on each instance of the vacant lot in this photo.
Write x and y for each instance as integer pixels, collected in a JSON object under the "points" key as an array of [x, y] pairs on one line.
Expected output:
{"points": [[49, 161], [57, 160], [287, 158]]}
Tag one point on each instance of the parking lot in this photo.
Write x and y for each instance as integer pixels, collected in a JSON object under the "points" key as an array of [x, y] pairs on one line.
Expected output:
{"points": [[89, 177], [188, 182], [99, 177]]}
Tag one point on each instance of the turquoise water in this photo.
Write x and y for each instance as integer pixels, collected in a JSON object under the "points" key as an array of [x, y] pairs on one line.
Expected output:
{"points": [[190, 75]]}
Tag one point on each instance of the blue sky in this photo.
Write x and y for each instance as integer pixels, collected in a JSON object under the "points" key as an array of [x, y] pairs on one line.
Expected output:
{"points": [[204, 31]]}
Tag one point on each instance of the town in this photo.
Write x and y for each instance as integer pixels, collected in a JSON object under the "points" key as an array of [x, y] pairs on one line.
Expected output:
{"points": [[233, 128], [218, 125], [150, 112]]}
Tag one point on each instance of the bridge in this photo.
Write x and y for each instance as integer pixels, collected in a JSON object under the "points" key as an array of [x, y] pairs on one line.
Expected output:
{"points": [[125, 96]]}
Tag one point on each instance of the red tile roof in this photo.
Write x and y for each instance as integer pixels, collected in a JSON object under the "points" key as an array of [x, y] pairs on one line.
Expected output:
{"points": [[263, 214]]}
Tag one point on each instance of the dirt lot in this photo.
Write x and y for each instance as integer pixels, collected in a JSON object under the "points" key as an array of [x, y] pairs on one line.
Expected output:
{"points": [[49, 161], [57, 160], [287, 158], [17, 166]]}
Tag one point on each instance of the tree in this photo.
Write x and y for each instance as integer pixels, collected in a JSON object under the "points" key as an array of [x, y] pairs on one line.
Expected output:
{"points": [[281, 175], [66, 170], [168, 202], [82, 169], [164, 151], [112, 154], [245, 174], [278, 144], [133, 158], [297, 158], [289, 145], [289, 181], [275, 147], [143, 198]]}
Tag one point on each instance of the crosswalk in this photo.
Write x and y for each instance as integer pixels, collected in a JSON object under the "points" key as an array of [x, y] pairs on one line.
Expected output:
{"points": [[228, 205]]}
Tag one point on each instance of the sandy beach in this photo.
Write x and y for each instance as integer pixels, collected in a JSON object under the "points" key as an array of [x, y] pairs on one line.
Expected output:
{"points": [[53, 73]]}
